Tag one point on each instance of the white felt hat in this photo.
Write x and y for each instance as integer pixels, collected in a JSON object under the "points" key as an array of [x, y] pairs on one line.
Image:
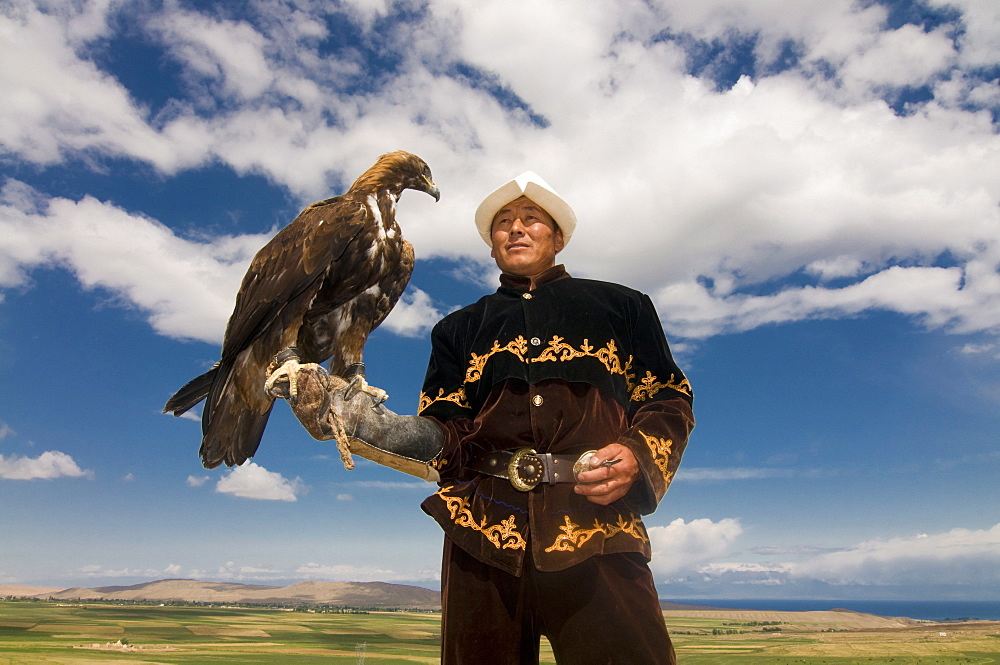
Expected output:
{"points": [[530, 185]]}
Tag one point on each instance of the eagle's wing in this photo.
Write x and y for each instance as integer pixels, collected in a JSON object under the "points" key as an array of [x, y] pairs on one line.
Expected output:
{"points": [[290, 266]]}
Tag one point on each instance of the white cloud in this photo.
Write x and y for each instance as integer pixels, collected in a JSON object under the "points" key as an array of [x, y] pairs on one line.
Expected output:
{"points": [[5, 430], [987, 348], [680, 546], [345, 497], [230, 52], [98, 571], [232, 571], [57, 102], [47, 466], [696, 474], [197, 481], [980, 38], [848, 38], [988, 458], [959, 556], [747, 573], [187, 287], [907, 56], [344, 572], [349, 573], [414, 314], [251, 481], [937, 296]]}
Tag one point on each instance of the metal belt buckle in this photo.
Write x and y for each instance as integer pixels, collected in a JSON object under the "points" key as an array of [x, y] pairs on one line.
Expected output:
{"points": [[524, 469]]}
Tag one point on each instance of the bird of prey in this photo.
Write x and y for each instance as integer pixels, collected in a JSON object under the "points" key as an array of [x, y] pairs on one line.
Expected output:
{"points": [[321, 285]]}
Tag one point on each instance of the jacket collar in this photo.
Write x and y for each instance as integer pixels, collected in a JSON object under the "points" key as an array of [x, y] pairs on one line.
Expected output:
{"points": [[519, 283]]}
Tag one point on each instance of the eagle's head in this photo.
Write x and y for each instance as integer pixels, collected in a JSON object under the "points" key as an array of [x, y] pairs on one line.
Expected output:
{"points": [[396, 171]]}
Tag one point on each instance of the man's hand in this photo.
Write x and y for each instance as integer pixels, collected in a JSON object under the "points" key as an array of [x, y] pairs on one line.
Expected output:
{"points": [[604, 485]]}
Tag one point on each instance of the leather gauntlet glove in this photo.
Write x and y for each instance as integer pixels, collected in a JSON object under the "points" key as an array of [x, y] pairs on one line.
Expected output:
{"points": [[330, 407]]}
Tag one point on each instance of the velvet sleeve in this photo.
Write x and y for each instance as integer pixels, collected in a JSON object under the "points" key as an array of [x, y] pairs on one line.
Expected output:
{"points": [[443, 395], [657, 438], [660, 411], [443, 399]]}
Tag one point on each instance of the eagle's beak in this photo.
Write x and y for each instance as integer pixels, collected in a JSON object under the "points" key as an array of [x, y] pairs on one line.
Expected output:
{"points": [[432, 189]]}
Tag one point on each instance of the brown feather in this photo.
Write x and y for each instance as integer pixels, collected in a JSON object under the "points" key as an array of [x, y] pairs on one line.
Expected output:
{"points": [[323, 283]]}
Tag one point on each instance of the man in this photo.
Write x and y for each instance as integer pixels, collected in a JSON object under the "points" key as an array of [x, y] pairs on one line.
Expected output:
{"points": [[542, 538]]}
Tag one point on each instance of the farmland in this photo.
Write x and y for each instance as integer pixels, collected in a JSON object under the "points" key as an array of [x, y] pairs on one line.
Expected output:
{"points": [[62, 633]]}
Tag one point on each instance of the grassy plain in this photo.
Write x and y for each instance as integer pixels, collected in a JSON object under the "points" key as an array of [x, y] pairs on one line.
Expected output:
{"points": [[42, 633]]}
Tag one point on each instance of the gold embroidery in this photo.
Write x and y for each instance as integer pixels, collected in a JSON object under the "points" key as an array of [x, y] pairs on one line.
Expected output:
{"points": [[518, 346], [650, 386], [629, 376], [503, 535], [660, 448], [573, 537], [558, 350], [458, 397]]}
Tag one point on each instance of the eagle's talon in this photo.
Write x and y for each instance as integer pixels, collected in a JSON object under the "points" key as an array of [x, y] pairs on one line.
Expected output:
{"points": [[286, 373], [358, 384], [351, 388], [283, 382]]}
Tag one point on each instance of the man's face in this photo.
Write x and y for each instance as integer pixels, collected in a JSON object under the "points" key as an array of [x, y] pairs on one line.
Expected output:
{"points": [[525, 238]]}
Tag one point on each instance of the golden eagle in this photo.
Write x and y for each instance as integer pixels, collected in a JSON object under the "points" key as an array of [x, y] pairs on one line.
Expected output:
{"points": [[322, 284]]}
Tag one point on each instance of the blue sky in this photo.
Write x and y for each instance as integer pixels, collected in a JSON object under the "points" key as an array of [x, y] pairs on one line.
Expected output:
{"points": [[808, 191]]}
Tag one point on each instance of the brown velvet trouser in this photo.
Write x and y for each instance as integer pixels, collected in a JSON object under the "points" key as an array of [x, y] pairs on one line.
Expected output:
{"points": [[602, 611]]}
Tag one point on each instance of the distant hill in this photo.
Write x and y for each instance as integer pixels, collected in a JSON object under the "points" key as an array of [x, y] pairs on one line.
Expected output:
{"points": [[346, 594], [23, 590]]}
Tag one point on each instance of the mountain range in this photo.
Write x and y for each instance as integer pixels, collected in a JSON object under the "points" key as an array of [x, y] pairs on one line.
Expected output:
{"points": [[341, 594]]}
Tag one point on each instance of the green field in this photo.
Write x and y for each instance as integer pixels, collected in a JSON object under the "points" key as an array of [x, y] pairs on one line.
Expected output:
{"points": [[71, 633], [802, 642]]}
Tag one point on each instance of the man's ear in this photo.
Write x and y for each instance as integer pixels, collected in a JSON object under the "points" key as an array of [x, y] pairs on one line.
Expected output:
{"points": [[559, 244], [493, 252]]}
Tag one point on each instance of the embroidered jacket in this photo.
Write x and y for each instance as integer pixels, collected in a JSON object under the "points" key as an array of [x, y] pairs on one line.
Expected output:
{"points": [[568, 366]]}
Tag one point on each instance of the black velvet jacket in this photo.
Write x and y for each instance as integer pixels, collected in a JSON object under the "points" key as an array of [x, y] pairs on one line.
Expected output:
{"points": [[561, 365]]}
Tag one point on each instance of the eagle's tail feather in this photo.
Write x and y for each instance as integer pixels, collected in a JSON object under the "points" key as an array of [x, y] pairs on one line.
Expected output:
{"points": [[192, 392], [232, 436]]}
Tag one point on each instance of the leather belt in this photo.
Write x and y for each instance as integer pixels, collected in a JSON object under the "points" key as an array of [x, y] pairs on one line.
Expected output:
{"points": [[526, 469]]}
